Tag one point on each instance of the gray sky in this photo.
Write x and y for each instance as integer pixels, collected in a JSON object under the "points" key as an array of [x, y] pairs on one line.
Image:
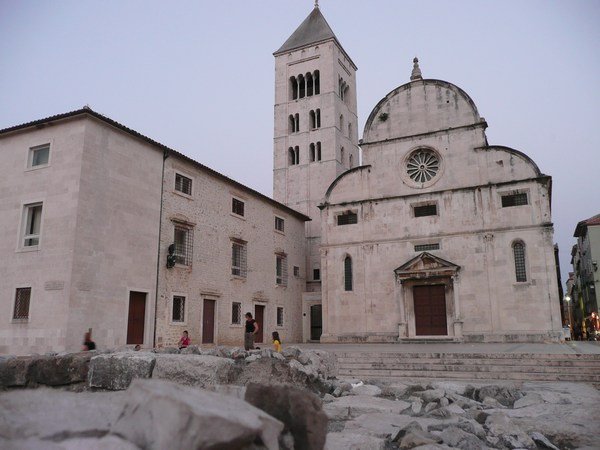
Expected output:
{"points": [[197, 76]]}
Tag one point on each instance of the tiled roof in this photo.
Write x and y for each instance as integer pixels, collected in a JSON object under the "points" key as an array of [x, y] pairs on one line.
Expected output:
{"points": [[581, 226], [86, 110]]}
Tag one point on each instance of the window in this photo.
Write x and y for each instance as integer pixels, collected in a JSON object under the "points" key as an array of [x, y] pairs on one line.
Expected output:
{"points": [[296, 271], [318, 151], [184, 244], [519, 254], [33, 224], [281, 270], [315, 119], [22, 299], [518, 199], [422, 165], [294, 155], [351, 161], [341, 123], [301, 86], [347, 218], [425, 247], [279, 224], [425, 210], [178, 313], [183, 184], [316, 274], [236, 313], [312, 152], [237, 207], [309, 84], [293, 88], [279, 316], [349, 130], [238, 259], [305, 85], [39, 156], [342, 155], [347, 273]]}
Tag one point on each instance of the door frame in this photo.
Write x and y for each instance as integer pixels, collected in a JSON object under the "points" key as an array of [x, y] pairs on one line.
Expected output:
{"points": [[148, 322], [265, 318], [216, 321], [445, 315]]}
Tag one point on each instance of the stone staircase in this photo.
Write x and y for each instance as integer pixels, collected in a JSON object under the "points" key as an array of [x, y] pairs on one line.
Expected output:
{"points": [[470, 366]]}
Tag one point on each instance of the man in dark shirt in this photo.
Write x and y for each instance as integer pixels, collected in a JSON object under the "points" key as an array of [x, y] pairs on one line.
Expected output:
{"points": [[251, 330]]}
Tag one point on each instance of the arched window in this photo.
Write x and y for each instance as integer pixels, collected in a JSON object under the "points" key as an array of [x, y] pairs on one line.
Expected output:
{"points": [[342, 123], [519, 254], [309, 84], [342, 155], [318, 151], [291, 156], [312, 152], [292, 124], [296, 155], [301, 86], [318, 118], [351, 161], [293, 88], [349, 130], [317, 82], [313, 119], [347, 273], [297, 123]]}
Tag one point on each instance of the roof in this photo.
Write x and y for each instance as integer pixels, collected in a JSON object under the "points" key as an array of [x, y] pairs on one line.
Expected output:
{"points": [[312, 30], [581, 226], [87, 111]]}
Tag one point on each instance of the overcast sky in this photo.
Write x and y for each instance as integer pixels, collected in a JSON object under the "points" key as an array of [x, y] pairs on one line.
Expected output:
{"points": [[197, 76]]}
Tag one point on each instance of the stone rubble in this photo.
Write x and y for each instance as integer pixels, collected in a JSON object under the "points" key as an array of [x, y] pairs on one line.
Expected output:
{"points": [[260, 399]]}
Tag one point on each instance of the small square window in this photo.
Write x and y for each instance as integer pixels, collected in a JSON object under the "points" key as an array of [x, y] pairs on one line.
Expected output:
{"points": [[316, 274], [22, 299], [236, 313], [237, 207], [279, 316], [425, 210], [183, 184], [425, 247], [178, 309], [296, 271], [33, 222], [518, 199], [184, 242], [347, 218], [279, 224], [39, 156]]}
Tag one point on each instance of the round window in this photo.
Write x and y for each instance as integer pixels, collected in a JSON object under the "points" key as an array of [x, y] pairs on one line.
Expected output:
{"points": [[422, 165]]}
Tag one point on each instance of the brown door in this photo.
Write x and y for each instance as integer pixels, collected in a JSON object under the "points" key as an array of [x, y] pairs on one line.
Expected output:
{"points": [[316, 322], [430, 310], [208, 322], [259, 316], [137, 316]]}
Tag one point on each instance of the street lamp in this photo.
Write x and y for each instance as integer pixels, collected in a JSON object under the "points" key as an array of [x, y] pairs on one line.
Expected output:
{"points": [[567, 299]]}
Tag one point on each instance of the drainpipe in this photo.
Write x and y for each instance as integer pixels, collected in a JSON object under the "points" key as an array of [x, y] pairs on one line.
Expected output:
{"points": [[162, 184]]}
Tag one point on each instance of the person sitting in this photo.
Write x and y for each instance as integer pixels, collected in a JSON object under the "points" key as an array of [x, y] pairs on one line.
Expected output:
{"points": [[88, 344], [184, 341], [276, 342]]}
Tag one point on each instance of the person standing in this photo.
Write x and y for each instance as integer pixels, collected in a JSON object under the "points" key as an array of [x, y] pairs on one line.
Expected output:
{"points": [[250, 332]]}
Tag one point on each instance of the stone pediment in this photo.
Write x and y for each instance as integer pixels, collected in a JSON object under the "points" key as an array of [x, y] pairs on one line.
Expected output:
{"points": [[426, 265]]}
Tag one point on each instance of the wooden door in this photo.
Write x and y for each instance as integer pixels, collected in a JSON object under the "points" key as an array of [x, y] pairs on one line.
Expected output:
{"points": [[430, 310], [137, 317], [316, 322], [208, 321], [259, 316]]}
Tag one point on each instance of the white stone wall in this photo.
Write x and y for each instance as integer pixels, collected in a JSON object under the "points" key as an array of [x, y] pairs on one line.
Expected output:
{"points": [[208, 212]]}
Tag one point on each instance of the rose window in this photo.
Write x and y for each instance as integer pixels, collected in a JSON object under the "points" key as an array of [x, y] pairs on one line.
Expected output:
{"points": [[422, 166]]}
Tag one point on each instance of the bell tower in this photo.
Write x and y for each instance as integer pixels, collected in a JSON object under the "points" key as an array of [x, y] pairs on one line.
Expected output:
{"points": [[316, 126]]}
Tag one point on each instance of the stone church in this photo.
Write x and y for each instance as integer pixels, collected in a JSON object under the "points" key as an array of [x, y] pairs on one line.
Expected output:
{"points": [[419, 231], [435, 234]]}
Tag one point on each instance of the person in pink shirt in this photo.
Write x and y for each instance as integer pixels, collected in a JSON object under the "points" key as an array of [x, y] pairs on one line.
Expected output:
{"points": [[184, 341]]}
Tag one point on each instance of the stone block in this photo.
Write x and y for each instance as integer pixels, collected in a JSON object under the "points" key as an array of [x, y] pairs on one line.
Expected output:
{"points": [[116, 371], [195, 370]]}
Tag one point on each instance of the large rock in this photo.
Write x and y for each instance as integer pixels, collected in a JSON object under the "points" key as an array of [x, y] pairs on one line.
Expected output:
{"points": [[291, 352], [353, 441], [355, 405], [159, 414], [542, 441], [367, 389], [14, 371], [56, 415], [430, 395], [116, 371], [195, 370], [274, 371], [190, 350], [60, 370], [508, 432], [505, 395], [299, 410], [416, 438], [456, 437], [530, 399]]}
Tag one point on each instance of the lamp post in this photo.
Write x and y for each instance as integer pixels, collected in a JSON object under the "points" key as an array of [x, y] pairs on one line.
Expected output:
{"points": [[567, 299]]}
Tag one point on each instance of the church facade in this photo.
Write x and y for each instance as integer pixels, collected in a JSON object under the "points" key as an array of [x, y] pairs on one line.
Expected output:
{"points": [[420, 231], [436, 235]]}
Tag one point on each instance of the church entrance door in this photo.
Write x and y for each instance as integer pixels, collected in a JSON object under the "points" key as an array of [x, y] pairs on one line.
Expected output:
{"points": [[430, 310], [316, 322]]}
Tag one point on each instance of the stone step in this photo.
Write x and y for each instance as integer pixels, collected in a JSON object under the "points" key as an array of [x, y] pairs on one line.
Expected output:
{"points": [[392, 360], [514, 356], [470, 368], [449, 375]]}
